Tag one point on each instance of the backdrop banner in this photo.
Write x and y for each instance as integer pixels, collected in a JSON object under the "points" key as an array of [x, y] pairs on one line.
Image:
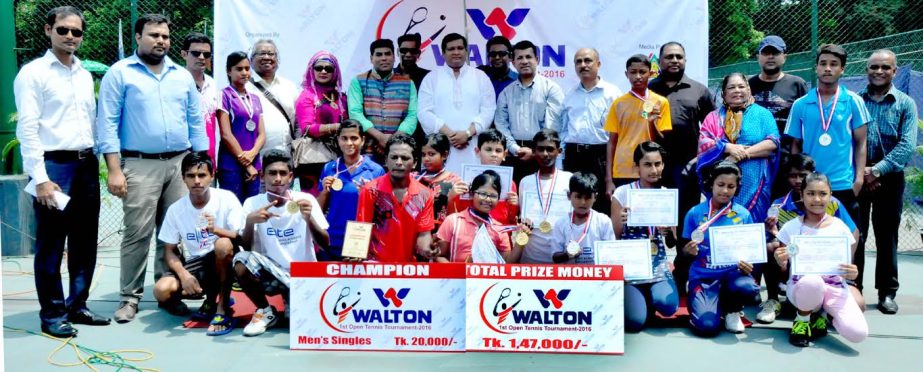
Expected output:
{"points": [[617, 29]]}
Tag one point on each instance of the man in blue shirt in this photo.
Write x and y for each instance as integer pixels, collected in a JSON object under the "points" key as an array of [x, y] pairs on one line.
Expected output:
{"points": [[499, 53], [829, 124], [150, 114], [892, 138]]}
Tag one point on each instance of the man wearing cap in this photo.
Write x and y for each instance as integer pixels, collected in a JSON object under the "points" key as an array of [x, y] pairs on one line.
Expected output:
{"points": [[774, 89]]}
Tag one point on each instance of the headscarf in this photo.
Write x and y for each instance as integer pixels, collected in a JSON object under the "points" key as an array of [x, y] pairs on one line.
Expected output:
{"points": [[310, 81]]}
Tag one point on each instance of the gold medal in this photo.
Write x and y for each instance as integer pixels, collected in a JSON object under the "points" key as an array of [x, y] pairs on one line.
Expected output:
{"points": [[522, 238], [654, 249], [647, 107], [292, 207], [337, 184], [545, 227]]}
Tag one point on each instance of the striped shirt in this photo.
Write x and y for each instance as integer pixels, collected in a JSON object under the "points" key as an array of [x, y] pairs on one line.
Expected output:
{"points": [[389, 105], [892, 133]]}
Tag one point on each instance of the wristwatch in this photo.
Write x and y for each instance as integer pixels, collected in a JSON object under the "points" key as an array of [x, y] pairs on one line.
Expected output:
{"points": [[876, 172], [468, 133]]}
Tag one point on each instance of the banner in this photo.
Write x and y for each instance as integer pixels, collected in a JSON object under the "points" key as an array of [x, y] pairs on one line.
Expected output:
{"points": [[575, 309], [617, 29], [379, 307]]}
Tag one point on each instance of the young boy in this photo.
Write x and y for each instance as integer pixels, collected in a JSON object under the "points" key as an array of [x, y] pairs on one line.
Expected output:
{"points": [[546, 184], [575, 236], [491, 150], [205, 223], [635, 117], [281, 227]]}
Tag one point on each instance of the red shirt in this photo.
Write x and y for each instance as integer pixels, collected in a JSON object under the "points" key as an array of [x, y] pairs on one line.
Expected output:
{"points": [[504, 213], [397, 224]]}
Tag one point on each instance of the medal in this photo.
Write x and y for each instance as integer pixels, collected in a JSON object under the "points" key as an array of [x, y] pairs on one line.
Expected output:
{"points": [[654, 248], [336, 185], [572, 248], [698, 236], [522, 238], [825, 139], [646, 106], [202, 222], [251, 126], [545, 227], [773, 211], [292, 207]]}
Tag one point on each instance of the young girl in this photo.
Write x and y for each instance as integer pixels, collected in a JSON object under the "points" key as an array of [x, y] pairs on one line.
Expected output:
{"points": [[575, 237], [658, 293], [815, 295], [242, 133], [716, 289], [341, 180], [435, 176], [456, 235]]}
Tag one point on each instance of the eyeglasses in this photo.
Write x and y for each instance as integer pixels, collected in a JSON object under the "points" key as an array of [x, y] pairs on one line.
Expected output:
{"points": [[327, 69], [673, 56], [487, 195], [199, 53], [61, 30], [498, 54], [266, 54], [409, 51]]}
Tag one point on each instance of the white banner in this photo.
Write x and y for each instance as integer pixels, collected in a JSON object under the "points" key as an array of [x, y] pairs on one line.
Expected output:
{"points": [[616, 28], [379, 307], [574, 309]]}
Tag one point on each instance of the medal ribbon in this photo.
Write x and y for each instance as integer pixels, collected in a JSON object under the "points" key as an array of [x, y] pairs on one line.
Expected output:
{"points": [[801, 230], [423, 174], [825, 122], [349, 168], [245, 103], [545, 203], [638, 96], [712, 220], [586, 226]]}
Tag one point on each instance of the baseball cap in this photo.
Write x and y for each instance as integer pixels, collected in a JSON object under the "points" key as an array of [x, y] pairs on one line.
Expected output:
{"points": [[772, 41]]}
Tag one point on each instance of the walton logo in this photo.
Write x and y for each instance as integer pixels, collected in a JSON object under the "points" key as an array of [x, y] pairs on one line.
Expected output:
{"points": [[551, 297], [501, 309], [499, 19], [391, 296]]}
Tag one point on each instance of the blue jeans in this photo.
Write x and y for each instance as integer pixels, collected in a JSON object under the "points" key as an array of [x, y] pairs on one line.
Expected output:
{"points": [[78, 224], [641, 300], [717, 293]]}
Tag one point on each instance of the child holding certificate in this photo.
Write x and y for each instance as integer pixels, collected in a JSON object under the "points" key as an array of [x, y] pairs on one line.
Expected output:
{"points": [[545, 185], [456, 235], [660, 291], [576, 235], [814, 296], [716, 289], [491, 150], [435, 176]]}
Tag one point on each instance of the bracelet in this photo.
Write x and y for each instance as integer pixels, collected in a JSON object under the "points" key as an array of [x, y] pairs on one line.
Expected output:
{"points": [[468, 133]]}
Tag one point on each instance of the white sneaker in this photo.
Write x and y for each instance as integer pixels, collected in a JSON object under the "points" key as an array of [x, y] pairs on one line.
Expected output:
{"points": [[732, 323], [263, 319], [770, 310]]}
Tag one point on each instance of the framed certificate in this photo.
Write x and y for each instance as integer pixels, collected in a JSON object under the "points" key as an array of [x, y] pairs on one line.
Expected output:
{"points": [[819, 255], [469, 171], [653, 207], [531, 209], [633, 255], [356, 239], [731, 244]]}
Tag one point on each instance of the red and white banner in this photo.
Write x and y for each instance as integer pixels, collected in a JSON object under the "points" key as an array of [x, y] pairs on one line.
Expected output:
{"points": [[574, 309], [381, 307]]}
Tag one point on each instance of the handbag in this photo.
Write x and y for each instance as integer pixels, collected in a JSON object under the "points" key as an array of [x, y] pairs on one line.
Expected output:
{"points": [[307, 150]]}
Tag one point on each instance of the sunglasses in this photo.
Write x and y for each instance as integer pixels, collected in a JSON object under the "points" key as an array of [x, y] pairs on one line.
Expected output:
{"points": [[197, 54], [409, 51], [498, 54], [63, 31], [327, 69]]}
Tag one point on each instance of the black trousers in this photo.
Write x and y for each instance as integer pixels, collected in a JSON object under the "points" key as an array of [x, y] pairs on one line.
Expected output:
{"points": [[78, 225], [885, 205], [590, 159]]}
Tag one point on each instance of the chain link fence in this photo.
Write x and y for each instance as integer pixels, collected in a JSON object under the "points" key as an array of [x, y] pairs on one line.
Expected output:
{"points": [[860, 26]]}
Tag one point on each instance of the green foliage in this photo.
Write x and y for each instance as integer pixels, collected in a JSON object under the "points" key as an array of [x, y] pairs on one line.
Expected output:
{"points": [[739, 38]]}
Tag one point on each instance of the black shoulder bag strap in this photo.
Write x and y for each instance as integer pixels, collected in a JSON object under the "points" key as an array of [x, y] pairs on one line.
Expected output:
{"points": [[272, 99]]}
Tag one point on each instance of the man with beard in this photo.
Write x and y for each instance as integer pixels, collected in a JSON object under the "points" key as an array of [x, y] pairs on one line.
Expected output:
{"points": [[381, 101], [280, 94], [774, 89], [690, 102], [499, 52], [149, 113], [409, 49]]}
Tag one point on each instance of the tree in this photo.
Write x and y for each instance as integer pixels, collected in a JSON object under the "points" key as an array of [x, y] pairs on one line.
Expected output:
{"points": [[733, 37]]}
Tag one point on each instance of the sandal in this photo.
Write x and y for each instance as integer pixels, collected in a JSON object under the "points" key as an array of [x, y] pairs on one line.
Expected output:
{"points": [[221, 320]]}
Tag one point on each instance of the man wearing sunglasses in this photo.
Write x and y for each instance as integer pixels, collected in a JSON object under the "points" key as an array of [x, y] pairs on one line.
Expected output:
{"points": [[382, 101], [499, 53], [409, 48], [54, 98], [197, 51]]}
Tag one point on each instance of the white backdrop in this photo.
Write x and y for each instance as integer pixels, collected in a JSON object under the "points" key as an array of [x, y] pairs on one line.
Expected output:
{"points": [[616, 28]]}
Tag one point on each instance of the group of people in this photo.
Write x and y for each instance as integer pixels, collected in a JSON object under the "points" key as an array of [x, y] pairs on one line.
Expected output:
{"points": [[390, 150]]}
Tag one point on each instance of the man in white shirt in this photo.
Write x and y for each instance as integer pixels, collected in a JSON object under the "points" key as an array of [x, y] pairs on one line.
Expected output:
{"points": [[582, 117], [282, 226], [456, 100], [199, 231], [57, 108], [277, 94], [197, 51], [525, 107]]}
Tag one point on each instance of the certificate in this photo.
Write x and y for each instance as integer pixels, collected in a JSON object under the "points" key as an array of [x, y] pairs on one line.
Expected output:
{"points": [[531, 209], [633, 255], [653, 207], [819, 255], [356, 239], [469, 171], [731, 244]]}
